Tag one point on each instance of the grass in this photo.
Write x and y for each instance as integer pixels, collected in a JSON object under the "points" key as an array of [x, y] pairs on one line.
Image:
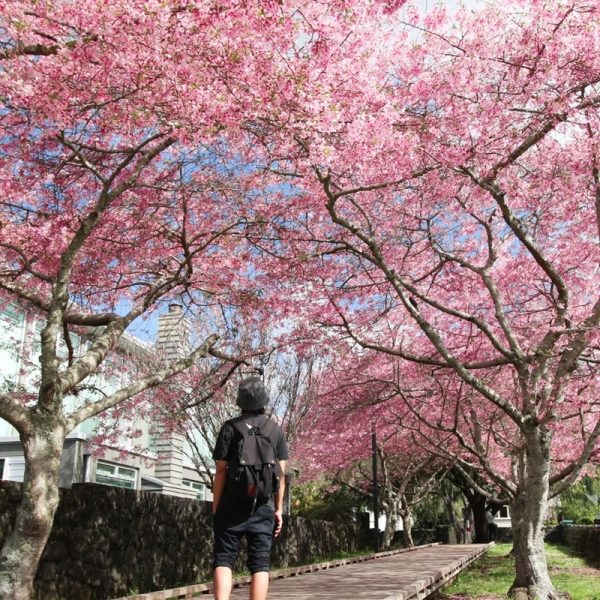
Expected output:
{"points": [[491, 576], [341, 555]]}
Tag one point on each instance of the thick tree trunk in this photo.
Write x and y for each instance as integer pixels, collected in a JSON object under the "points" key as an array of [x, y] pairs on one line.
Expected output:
{"points": [[528, 512], [477, 503], [23, 547]]}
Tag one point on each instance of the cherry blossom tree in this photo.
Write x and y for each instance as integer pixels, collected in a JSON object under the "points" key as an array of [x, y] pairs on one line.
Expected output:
{"points": [[463, 243], [59, 274], [105, 214], [335, 440], [475, 499], [131, 135], [408, 478]]}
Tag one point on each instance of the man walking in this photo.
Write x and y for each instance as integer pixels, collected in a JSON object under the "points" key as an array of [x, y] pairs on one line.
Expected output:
{"points": [[250, 456]]}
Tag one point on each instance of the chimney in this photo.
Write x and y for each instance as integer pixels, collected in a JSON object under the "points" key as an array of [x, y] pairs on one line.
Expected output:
{"points": [[173, 342], [169, 453], [173, 333]]}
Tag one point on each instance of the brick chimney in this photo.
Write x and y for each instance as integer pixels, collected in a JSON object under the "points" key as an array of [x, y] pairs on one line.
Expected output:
{"points": [[173, 342], [169, 454], [173, 333]]}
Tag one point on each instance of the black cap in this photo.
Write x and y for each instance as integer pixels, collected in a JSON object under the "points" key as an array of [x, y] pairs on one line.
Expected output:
{"points": [[252, 394]]}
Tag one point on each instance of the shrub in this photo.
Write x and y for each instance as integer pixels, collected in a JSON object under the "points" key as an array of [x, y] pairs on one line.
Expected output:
{"points": [[582, 500]]}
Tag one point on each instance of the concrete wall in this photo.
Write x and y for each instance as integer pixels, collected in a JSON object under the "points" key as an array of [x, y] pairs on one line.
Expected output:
{"points": [[109, 542]]}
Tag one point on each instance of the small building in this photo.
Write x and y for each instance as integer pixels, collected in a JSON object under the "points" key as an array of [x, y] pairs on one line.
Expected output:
{"points": [[156, 460]]}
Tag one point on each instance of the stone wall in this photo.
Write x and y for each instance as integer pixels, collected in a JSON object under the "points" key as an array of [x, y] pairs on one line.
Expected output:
{"points": [[584, 539], [108, 542]]}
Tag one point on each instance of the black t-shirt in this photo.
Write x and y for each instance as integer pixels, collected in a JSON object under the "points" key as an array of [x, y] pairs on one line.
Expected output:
{"points": [[229, 439]]}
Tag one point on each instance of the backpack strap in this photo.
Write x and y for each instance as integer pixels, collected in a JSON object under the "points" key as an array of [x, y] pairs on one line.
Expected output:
{"points": [[270, 430], [267, 429], [240, 424]]}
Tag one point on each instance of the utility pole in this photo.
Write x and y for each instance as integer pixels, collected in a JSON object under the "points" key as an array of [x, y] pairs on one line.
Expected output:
{"points": [[375, 488]]}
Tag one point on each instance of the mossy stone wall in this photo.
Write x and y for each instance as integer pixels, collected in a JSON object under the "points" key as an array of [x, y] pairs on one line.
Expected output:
{"points": [[109, 542]]}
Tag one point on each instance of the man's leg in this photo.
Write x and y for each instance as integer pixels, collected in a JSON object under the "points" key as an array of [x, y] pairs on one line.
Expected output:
{"points": [[259, 551], [259, 586], [222, 579], [227, 545]]}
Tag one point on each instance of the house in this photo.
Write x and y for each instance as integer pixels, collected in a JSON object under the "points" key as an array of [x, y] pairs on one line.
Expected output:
{"points": [[155, 460]]}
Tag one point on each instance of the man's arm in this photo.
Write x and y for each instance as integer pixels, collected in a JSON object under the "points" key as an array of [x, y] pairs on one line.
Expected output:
{"points": [[279, 500], [219, 484]]}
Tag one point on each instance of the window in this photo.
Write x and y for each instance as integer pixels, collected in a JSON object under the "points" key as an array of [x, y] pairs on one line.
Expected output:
{"points": [[196, 485], [504, 513], [115, 475], [11, 315], [61, 346], [13, 468], [62, 349], [12, 327]]}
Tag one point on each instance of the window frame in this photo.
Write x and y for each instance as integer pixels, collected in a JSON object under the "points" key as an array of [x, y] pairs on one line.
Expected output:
{"points": [[200, 490], [116, 478], [504, 512]]}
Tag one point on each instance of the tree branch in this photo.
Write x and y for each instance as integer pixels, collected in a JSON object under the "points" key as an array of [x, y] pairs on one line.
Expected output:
{"points": [[129, 391]]}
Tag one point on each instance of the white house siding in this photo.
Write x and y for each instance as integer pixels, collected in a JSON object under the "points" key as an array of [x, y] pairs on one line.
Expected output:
{"points": [[12, 332], [14, 468]]}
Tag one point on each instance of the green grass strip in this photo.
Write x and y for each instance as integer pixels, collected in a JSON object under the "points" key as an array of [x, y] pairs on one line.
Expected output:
{"points": [[492, 575]]}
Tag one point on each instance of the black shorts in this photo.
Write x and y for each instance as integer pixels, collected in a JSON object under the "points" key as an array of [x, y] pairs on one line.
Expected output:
{"points": [[231, 522]]}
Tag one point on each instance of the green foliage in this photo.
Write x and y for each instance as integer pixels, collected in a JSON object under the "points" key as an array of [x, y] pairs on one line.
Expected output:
{"points": [[430, 513], [585, 521], [322, 500], [581, 502]]}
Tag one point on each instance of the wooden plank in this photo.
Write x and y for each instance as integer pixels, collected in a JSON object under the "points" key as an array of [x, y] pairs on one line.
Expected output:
{"points": [[417, 588], [205, 588], [411, 576]]}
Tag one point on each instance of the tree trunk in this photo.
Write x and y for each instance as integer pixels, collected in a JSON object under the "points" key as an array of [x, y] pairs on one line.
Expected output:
{"points": [[477, 504], [407, 529], [458, 527], [390, 507], [528, 512], [22, 550]]}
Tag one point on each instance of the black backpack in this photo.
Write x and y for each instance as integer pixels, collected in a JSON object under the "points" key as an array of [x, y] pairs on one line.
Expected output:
{"points": [[253, 473]]}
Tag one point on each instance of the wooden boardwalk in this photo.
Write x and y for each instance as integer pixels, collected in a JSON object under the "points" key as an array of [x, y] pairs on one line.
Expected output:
{"points": [[405, 574], [411, 575]]}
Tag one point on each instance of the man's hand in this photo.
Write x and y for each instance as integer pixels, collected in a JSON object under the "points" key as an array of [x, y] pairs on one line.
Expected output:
{"points": [[278, 522]]}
